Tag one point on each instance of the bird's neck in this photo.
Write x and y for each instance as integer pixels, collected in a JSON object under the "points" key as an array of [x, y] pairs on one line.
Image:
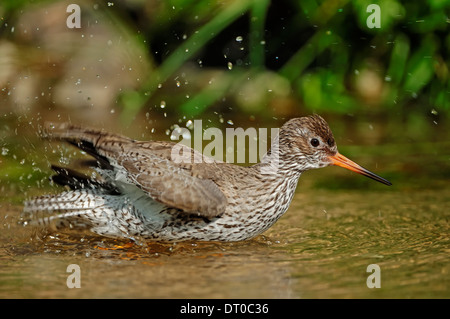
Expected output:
{"points": [[277, 164], [278, 181]]}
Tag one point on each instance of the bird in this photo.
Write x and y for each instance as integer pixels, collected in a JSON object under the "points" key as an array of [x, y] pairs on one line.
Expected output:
{"points": [[137, 190]]}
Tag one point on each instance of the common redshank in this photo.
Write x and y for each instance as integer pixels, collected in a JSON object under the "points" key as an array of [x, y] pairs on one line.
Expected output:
{"points": [[139, 192]]}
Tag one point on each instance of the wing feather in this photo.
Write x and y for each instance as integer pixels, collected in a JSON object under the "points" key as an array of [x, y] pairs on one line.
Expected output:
{"points": [[150, 167]]}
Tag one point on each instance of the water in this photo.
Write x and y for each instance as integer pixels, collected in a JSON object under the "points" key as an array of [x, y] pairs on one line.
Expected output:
{"points": [[320, 249], [338, 224]]}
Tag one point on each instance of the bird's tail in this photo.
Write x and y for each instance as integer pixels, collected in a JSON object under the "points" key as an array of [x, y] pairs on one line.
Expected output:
{"points": [[103, 214], [71, 209], [93, 208], [93, 203], [75, 208]]}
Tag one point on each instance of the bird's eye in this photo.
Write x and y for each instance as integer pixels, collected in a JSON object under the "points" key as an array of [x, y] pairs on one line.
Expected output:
{"points": [[315, 142]]}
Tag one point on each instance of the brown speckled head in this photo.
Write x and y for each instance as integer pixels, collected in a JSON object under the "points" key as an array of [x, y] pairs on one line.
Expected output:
{"points": [[309, 143], [308, 140]]}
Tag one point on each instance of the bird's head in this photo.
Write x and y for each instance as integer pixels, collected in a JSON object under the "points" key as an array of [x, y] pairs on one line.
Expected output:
{"points": [[307, 143]]}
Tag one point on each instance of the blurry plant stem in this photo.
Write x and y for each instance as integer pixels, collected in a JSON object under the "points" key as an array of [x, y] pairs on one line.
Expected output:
{"points": [[293, 68], [134, 101], [213, 92], [257, 23], [221, 85], [399, 56]]}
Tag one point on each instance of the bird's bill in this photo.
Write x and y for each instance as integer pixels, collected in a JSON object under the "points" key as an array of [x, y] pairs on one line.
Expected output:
{"points": [[342, 161]]}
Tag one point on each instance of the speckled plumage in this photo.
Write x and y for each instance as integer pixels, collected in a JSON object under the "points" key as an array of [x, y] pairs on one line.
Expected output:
{"points": [[143, 193]]}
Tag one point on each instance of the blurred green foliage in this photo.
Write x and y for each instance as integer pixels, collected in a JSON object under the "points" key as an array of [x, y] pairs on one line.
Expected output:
{"points": [[332, 60], [320, 53]]}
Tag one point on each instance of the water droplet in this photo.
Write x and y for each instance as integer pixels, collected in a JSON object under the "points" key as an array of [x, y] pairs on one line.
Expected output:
{"points": [[434, 112], [387, 78], [230, 122], [163, 104], [239, 38], [5, 151], [177, 129], [190, 124], [63, 160], [230, 65]]}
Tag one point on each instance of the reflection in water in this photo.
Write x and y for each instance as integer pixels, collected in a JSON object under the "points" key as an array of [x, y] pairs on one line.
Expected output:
{"points": [[319, 249], [111, 268]]}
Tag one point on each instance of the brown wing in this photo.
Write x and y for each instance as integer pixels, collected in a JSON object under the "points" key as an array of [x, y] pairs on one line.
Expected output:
{"points": [[149, 166]]}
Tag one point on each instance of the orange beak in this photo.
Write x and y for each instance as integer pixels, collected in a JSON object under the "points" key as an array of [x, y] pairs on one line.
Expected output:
{"points": [[342, 161]]}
